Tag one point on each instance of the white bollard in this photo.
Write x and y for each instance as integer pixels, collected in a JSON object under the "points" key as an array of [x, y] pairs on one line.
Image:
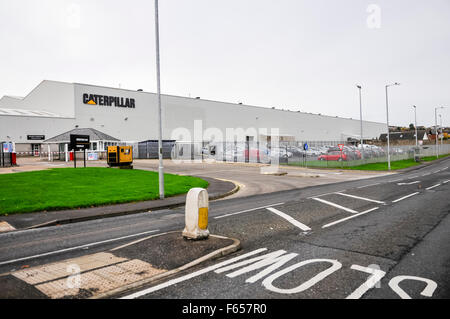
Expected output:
{"points": [[197, 205]]}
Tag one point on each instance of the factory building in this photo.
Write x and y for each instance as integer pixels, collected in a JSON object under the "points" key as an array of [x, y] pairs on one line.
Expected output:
{"points": [[53, 108]]}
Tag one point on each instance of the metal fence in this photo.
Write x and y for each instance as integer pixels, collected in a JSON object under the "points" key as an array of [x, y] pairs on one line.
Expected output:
{"points": [[315, 154]]}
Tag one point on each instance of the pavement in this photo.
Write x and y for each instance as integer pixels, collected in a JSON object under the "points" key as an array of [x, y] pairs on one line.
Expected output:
{"points": [[103, 274]]}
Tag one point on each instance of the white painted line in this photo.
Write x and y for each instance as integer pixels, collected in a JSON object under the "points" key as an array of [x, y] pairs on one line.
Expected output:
{"points": [[436, 171], [289, 219], [405, 197], [336, 205], [445, 168], [426, 174], [75, 248], [350, 217], [431, 187], [369, 185], [192, 275], [248, 210], [445, 182], [362, 198], [324, 194], [415, 182]]}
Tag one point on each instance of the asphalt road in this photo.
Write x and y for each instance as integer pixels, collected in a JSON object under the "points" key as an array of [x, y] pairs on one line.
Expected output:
{"points": [[383, 237]]}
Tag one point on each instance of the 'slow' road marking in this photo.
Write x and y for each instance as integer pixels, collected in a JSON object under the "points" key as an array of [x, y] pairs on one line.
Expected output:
{"points": [[75, 248], [362, 198], [335, 205], [248, 210], [350, 217], [192, 275], [405, 197], [289, 219], [431, 187]]}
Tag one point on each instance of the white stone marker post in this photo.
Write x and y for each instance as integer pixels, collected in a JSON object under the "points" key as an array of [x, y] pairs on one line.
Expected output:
{"points": [[197, 205]]}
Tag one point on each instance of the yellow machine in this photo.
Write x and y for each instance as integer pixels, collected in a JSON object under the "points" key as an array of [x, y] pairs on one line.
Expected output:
{"points": [[121, 156]]}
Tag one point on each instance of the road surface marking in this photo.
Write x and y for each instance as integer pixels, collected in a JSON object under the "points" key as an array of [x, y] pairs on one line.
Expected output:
{"points": [[362, 198], [436, 171], [248, 210], [411, 183], [396, 180], [190, 276], [369, 185], [445, 168], [5, 227], [427, 292], [75, 248], [431, 187], [268, 282], [289, 219], [445, 182], [350, 217], [426, 174], [372, 281], [324, 194], [335, 205], [405, 197]]}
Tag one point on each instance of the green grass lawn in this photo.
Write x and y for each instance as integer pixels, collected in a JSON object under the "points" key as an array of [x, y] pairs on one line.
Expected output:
{"points": [[358, 164], [383, 166], [66, 188]]}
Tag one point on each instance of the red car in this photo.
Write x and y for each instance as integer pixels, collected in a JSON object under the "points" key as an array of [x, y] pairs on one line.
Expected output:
{"points": [[333, 156]]}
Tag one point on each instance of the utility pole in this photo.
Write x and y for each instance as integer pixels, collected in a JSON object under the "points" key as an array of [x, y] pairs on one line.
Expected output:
{"points": [[436, 129], [387, 122], [158, 83], [361, 121], [415, 123]]}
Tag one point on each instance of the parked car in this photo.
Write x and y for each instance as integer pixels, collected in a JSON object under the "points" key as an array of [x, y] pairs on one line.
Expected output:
{"points": [[333, 156], [281, 152]]}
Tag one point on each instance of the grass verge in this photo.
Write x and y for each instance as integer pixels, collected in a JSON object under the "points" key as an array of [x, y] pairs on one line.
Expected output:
{"points": [[68, 188], [357, 165]]}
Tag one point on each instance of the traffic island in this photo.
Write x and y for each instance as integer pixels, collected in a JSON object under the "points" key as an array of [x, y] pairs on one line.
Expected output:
{"points": [[114, 272]]}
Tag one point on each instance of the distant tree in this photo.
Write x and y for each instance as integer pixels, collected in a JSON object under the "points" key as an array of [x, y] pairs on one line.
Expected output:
{"points": [[411, 126]]}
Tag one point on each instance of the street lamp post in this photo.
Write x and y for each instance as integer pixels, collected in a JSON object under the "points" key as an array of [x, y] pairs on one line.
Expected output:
{"points": [[360, 118], [415, 123], [436, 129], [158, 83], [387, 122]]}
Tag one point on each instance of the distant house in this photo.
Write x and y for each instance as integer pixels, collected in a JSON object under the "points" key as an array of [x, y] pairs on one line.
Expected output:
{"points": [[404, 137]]}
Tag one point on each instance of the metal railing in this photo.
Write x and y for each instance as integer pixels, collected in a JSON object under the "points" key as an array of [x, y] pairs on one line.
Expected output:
{"points": [[331, 154]]}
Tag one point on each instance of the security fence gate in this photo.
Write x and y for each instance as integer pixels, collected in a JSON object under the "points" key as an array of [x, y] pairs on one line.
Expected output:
{"points": [[149, 149]]}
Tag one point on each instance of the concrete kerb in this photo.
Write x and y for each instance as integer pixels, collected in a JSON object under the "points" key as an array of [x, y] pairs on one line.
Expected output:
{"points": [[213, 255]]}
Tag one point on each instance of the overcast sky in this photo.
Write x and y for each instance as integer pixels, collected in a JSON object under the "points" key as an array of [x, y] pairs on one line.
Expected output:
{"points": [[291, 54]]}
